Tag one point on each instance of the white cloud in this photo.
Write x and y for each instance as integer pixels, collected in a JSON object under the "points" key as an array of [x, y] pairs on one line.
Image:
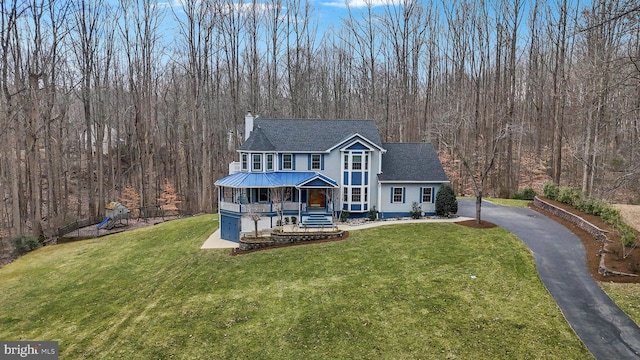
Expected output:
{"points": [[171, 4]]}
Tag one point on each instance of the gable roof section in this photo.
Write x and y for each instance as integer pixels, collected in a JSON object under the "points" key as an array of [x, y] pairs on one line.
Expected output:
{"points": [[304, 135], [356, 142], [415, 162], [319, 180]]}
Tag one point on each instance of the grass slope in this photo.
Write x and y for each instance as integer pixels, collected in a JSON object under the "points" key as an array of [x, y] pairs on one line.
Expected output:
{"points": [[392, 292], [509, 202], [626, 296]]}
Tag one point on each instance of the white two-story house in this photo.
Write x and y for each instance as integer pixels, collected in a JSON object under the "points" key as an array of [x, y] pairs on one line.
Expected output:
{"points": [[313, 170]]}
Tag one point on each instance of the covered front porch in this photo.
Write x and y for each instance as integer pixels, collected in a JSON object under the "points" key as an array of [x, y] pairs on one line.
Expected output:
{"points": [[300, 199]]}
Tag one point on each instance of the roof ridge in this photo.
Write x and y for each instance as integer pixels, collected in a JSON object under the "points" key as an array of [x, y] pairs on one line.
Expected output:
{"points": [[318, 119], [308, 134], [408, 142]]}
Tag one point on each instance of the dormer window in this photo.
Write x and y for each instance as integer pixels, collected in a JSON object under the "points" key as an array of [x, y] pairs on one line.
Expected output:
{"points": [[256, 163], [243, 158]]}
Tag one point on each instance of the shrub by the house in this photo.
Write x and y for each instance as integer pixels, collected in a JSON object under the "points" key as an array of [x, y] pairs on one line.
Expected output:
{"points": [[373, 214], [446, 203], [416, 211]]}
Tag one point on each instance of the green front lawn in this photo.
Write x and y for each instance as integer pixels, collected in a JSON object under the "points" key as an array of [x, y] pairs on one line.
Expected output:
{"points": [[510, 202], [626, 296], [393, 292]]}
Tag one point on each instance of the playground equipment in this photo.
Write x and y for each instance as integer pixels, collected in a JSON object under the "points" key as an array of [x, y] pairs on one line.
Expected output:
{"points": [[115, 212], [103, 222]]}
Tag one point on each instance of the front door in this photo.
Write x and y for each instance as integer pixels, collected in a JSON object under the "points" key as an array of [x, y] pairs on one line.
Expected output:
{"points": [[316, 198]]}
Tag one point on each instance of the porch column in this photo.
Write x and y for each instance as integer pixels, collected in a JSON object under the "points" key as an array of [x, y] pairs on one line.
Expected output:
{"points": [[299, 205], [220, 192]]}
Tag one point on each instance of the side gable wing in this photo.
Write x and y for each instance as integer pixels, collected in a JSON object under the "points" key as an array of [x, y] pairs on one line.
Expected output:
{"points": [[411, 162]]}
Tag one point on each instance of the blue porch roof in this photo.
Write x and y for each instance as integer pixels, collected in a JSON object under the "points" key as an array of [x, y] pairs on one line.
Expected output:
{"points": [[274, 179]]}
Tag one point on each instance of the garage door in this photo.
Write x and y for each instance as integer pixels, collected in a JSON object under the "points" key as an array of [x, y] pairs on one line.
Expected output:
{"points": [[230, 228]]}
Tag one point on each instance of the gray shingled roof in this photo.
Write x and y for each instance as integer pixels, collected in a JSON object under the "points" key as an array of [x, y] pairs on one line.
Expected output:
{"points": [[306, 134], [411, 162], [258, 141]]}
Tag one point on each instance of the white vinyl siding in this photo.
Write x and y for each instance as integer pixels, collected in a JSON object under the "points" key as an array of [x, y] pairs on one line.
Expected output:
{"points": [[396, 199]]}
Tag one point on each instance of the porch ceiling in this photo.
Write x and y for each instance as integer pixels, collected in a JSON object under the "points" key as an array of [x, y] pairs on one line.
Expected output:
{"points": [[272, 179]]}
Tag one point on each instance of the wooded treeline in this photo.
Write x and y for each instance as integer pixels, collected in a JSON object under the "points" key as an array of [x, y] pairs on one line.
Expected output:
{"points": [[100, 95]]}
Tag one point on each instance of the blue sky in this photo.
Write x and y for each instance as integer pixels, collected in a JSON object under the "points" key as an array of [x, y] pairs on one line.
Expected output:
{"points": [[327, 13]]}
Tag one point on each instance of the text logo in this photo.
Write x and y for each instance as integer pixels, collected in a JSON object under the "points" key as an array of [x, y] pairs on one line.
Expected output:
{"points": [[32, 350]]}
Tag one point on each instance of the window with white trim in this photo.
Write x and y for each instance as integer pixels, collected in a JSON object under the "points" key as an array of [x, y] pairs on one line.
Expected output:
{"points": [[345, 197], [366, 194], [244, 161], [356, 162], [287, 162], [366, 161], [398, 194], [316, 161], [427, 194], [355, 194], [346, 161], [256, 162], [269, 162]]}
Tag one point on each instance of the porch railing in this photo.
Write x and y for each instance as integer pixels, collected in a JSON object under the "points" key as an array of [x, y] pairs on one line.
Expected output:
{"points": [[235, 167], [229, 206], [259, 207]]}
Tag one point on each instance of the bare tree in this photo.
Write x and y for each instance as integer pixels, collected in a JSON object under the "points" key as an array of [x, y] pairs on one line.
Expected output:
{"points": [[139, 31], [98, 95], [254, 215]]}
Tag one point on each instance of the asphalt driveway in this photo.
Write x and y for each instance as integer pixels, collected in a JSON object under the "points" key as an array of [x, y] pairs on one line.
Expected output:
{"points": [[560, 258]]}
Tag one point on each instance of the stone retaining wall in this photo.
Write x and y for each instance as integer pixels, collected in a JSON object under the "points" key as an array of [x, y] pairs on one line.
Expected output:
{"points": [[596, 232], [583, 224], [287, 238]]}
